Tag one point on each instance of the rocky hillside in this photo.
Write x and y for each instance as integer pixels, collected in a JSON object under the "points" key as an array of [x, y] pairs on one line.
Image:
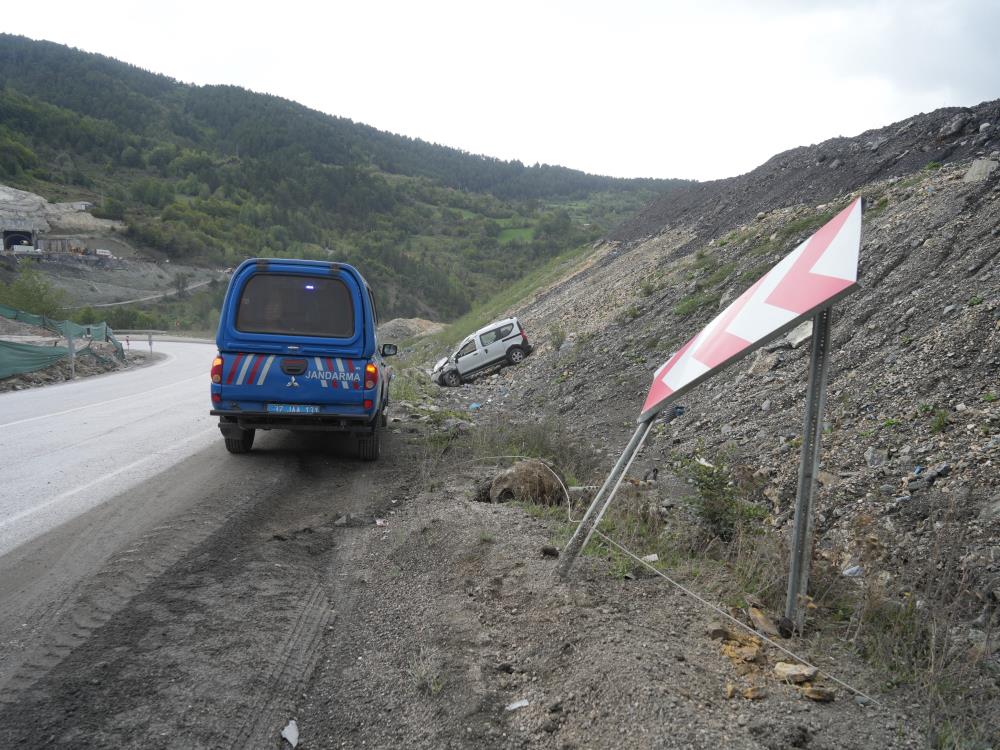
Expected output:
{"points": [[820, 173], [909, 496]]}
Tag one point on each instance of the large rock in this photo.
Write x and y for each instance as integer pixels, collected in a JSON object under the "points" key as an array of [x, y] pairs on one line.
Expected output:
{"points": [[980, 170], [528, 481], [955, 125], [990, 511], [788, 672], [800, 334], [876, 456], [762, 623]]}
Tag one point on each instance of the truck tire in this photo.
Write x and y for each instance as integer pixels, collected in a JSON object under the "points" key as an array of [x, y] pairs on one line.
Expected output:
{"points": [[370, 445], [452, 379], [241, 444], [515, 355]]}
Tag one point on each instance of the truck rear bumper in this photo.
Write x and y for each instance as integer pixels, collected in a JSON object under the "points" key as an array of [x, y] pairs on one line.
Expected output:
{"points": [[232, 423]]}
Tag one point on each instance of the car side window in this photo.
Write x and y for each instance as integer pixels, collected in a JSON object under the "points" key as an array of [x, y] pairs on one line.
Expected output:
{"points": [[469, 348], [490, 336], [505, 331]]}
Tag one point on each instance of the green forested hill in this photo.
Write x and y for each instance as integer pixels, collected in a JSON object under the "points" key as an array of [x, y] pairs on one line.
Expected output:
{"points": [[214, 174]]}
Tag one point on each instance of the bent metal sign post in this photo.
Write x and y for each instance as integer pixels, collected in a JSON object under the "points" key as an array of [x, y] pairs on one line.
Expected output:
{"points": [[804, 285]]}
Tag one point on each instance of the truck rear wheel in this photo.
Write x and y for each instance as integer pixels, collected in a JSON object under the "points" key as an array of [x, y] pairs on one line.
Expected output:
{"points": [[241, 444], [370, 445]]}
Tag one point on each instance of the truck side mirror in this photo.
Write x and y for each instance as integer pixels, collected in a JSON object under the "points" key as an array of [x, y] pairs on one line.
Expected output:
{"points": [[389, 350]]}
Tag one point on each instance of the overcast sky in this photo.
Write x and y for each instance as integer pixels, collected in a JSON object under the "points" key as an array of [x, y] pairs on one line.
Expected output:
{"points": [[630, 88]]}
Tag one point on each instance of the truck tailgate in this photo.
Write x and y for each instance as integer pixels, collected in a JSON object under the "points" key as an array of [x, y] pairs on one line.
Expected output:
{"points": [[253, 380]]}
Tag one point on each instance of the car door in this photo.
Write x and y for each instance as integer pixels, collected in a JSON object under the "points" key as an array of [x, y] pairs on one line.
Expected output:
{"points": [[467, 358], [491, 346]]}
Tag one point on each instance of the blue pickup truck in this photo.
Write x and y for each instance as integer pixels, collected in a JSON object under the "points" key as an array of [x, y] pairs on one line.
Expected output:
{"points": [[298, 350]]}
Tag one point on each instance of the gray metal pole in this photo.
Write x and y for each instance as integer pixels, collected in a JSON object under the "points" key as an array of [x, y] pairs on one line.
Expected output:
{"points": [[593, 515], [812, 433], [72, 356]]}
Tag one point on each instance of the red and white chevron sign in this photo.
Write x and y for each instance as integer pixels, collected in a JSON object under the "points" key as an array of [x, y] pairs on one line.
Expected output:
{"points": [[814, 275]]}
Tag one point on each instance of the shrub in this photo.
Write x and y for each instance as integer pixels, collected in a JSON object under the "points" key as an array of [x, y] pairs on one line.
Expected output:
{"points": [[720, 274], [880, 205], [557, 336], [694, 302], [720, 501], [939, 422], [425, 669]]}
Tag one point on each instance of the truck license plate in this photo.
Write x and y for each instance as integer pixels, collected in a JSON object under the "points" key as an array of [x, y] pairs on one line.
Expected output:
{"points": [[292, 409]]}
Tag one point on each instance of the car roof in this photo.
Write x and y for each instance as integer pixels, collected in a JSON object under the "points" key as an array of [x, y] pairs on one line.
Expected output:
{"points": [[494, 324]]}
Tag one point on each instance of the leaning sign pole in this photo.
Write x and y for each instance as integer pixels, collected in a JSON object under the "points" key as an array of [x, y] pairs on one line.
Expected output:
{"points": [[812, 432], [804, 284]]}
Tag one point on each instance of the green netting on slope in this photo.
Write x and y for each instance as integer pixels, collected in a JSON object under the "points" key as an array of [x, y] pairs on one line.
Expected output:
{"points": [[65, 328], [19, 358]]}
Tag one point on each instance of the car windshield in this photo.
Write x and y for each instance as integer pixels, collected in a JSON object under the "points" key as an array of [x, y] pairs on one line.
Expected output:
{"points": [[296, 305]]}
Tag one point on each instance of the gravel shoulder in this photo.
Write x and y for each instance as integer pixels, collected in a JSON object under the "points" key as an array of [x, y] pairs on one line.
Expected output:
{"points": [[458, 616]]}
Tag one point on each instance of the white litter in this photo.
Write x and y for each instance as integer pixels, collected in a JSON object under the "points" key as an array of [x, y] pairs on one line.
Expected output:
{"points": [[651, 558], [381, 522], [517, 704], [291, 733]]}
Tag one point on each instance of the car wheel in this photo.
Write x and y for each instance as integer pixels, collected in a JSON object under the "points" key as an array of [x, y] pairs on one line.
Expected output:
{"points": [[370, 445], [241, 444], [452, 378], [515, 355]]}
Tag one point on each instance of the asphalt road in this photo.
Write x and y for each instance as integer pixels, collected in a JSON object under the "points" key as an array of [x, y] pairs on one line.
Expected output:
{"points": [[68, 448]]}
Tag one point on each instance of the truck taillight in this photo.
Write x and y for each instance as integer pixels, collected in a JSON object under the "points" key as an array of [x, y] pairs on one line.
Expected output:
{"points": [[217, 370], [371, 375]]}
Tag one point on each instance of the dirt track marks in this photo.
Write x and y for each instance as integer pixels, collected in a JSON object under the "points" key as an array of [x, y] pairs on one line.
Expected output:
{"points": [[211, 642]]}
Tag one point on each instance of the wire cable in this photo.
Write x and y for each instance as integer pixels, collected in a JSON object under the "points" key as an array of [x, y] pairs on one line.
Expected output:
{"points": [[733, 620]]}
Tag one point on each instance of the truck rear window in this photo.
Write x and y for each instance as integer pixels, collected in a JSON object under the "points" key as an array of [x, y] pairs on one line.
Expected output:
{"points": [[296, 305]]}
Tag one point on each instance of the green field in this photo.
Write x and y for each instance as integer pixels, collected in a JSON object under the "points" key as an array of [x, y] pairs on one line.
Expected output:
{"points": [[516, 234]]}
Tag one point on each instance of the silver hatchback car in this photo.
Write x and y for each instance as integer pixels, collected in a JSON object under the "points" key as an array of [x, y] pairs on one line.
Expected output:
{"points": [[502, 342]]}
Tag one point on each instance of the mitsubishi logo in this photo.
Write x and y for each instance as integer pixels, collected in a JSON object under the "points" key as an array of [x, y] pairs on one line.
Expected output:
{"points": [[292, 383]]}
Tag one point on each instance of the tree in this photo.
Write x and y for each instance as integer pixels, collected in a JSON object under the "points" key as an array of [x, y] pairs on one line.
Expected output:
{"points": [[130, 157], [111, 208], [33, 293], [181, 283]]}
